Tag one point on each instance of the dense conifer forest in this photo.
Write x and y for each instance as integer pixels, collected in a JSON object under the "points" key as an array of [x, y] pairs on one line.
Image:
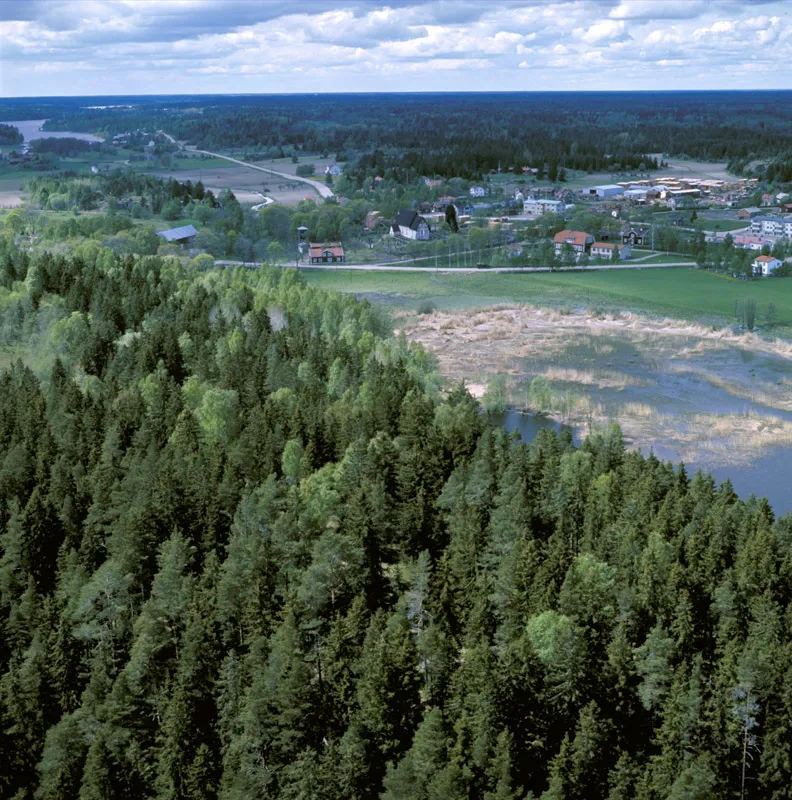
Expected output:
{"points": [[452, 134], [250, 547]]}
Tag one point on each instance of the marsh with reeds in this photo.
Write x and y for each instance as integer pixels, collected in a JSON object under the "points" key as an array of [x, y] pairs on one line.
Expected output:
{"points": [[708, 397]]}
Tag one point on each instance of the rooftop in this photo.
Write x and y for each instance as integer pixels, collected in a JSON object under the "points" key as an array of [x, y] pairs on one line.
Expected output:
{"points": [[318, 250], [577, 238], [177, 234]]}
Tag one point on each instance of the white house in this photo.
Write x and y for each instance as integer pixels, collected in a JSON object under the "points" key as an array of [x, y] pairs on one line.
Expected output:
{"points": [[477, 191], [605, 250], [332, 169], [543, 206], [411, 226], [765, 265]]}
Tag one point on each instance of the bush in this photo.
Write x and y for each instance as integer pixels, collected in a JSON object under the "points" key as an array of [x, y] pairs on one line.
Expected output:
{"points": [[306, 170], [426, 307]]}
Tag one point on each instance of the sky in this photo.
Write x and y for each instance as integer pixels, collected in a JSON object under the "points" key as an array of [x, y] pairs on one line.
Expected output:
{"points": [[107, 47]]}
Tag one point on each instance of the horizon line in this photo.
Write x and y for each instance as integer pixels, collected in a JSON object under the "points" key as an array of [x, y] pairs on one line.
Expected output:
{"points": [[427, 92]]}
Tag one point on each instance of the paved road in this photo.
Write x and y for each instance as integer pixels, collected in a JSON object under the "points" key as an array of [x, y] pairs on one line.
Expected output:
{"points": [[462, 270], [323, 189]]}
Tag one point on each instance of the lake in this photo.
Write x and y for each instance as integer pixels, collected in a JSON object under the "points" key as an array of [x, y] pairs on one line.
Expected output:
{"points": [[768, 476], [31, 129]]}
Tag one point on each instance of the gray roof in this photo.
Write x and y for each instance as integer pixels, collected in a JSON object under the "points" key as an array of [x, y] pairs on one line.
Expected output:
{"points": [[177, 234], [409, 219]]}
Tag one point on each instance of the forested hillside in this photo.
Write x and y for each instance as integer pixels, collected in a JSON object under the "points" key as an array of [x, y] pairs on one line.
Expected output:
{"points": [[456, 134], [250, 549]]}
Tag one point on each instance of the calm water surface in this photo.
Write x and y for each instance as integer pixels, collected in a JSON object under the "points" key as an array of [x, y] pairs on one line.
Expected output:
{"points": [[769, 476], [31, 129]]}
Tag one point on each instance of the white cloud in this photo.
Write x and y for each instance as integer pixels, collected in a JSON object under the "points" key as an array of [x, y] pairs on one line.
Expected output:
{"points": [[658, 9], [368, 45], [605, 31]]}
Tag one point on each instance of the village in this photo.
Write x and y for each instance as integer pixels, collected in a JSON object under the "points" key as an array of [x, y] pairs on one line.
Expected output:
{"points": [[622, 221]]}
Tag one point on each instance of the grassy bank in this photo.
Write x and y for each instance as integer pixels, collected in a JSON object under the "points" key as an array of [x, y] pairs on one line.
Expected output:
{"points": [[681, 293]]}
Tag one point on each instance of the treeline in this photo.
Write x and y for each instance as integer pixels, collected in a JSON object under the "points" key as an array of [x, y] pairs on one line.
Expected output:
{"points": [[459, 134], [65, 146], [250, 550], [10, 135]]}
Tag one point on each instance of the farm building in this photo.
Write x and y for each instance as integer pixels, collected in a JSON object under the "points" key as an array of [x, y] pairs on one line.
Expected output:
{"points": [[182, 236], [636, 195], [607, 190]]}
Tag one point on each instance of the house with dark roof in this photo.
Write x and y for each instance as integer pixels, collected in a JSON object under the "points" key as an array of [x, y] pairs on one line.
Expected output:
{"points": [[411, 225], [579, 241], [326, 253], [634, 236], [182, 236]]}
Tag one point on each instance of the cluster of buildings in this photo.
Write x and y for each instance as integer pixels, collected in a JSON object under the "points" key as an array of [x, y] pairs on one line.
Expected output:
{"points": [[672, 191], [580, 243]]}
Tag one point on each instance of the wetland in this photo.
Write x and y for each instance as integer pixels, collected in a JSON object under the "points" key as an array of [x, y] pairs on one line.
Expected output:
{"points": [[711, 398]]}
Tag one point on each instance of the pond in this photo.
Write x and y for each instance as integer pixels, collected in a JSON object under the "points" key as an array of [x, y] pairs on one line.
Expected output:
{"points": [[715, 399], [768, 476]]}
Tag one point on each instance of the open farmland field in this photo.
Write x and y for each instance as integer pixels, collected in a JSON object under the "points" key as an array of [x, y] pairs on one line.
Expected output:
{"points": [[286, 165], [247, 184], [680, 293], [683, 168], [11, 187]]}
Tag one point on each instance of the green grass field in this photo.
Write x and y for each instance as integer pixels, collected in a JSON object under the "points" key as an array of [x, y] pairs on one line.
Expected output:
{"points": [[662, 258], [719, 224], [681, 293]]}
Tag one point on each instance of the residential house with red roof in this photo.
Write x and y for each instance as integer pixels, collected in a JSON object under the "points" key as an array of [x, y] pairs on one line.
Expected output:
{"points": [[765, 265], [579, 241], [326, 253]]}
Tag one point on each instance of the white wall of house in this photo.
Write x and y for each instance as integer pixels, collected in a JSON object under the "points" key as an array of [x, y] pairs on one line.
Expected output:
{"points": [[766, 267]]}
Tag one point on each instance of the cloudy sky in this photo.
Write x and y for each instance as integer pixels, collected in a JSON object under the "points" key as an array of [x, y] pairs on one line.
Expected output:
{"points": [[84, 47]]}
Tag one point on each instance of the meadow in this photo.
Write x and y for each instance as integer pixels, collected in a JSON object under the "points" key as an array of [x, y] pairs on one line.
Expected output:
{"points": [[681, 293]]}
